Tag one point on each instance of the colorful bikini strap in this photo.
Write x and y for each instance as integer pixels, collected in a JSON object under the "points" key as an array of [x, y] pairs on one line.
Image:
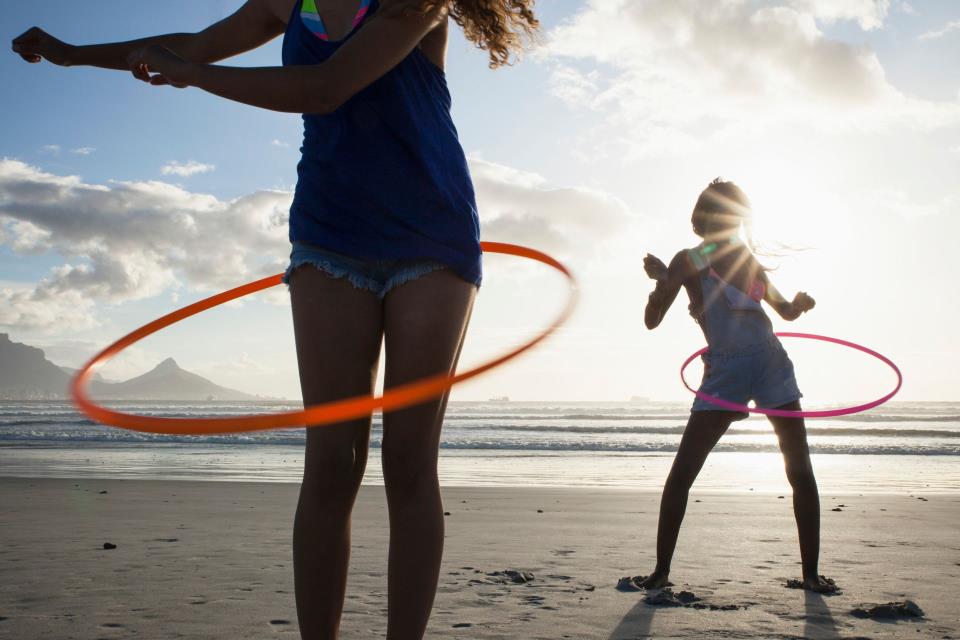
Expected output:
{"points": [[361, 12], [700, 257], [311, 17]]}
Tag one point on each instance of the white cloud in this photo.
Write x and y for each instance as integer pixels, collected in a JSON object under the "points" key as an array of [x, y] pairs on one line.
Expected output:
{"points": [[521, 207], [134, 240], [665, 76], [870, 14], [130, 240], [185, 169], [26, 237], [280, 143], [45, 308], [905, 7], [51, 149], [934, 34], [83, 151]]}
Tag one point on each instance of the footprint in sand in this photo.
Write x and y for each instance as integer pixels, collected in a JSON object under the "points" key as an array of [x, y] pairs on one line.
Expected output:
{"points": [[687, 599], [905, 609]]}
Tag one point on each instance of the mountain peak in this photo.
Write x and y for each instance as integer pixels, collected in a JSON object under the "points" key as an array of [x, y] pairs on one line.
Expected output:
{"points": [[168, 365]]}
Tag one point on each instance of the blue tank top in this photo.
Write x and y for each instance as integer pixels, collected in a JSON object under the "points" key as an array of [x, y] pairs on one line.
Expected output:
{"points": [[384, 176]]}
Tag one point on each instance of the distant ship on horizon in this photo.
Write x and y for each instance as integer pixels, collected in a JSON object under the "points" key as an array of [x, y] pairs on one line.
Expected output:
{"points": [[499, 399], [639, 399]]}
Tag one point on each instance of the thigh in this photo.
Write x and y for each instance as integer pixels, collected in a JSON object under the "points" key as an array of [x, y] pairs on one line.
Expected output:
{"points": [[704, 429], [339, 331], [425, 322], [792, 436]]}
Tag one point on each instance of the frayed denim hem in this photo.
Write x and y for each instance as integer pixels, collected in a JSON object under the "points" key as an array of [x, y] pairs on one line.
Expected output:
{"points": [[402, 276], [334, 271], [409, 274]]}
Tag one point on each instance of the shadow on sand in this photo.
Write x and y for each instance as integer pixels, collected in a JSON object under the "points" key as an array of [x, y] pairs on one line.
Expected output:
{"points": [[636, 624], [818, 623]]}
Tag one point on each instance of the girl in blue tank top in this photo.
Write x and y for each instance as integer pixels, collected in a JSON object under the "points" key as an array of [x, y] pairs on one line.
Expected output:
{"points": [[385, 241], [382, 177], [745, 361]]}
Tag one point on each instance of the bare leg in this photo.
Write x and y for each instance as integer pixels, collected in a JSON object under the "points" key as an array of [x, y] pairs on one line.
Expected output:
{"points": [[338, 333], [701, 435], [424, 325], [792, 434]]}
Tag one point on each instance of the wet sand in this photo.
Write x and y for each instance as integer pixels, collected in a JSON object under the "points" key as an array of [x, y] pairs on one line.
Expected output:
{"points": [[213, 560]]}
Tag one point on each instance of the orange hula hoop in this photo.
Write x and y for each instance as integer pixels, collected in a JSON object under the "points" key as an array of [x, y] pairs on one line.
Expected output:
{"points": [[398, 397]]}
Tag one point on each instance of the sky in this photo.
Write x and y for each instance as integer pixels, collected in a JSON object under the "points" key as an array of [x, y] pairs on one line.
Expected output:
{"points": [[839, 118]]}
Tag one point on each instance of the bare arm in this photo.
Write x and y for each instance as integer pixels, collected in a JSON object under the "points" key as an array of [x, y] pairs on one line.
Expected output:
{"points": [[669, 280], [255, 23], [788, 310], [379, 46]]}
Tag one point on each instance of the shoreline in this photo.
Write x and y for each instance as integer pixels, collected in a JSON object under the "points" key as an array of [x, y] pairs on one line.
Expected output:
{"points": [[839, 474], [212, 559]]}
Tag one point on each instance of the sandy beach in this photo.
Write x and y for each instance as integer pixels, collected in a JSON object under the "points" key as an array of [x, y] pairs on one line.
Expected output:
{"points": [[213, 560]]}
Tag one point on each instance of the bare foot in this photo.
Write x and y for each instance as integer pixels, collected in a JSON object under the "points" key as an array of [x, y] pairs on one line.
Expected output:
{"points": [[820, 584], [653, 581]]}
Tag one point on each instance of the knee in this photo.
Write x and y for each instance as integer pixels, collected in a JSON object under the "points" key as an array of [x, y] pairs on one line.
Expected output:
{"points": [[801, 478], [678, 482], [333, 474], [408, 471]]}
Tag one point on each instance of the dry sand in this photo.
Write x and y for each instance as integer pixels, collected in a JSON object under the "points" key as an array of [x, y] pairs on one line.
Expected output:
{"points": [[213, 560]]}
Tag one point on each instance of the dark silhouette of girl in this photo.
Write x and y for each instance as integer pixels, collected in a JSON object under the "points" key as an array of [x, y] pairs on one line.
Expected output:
{"points": [[726, 285]]}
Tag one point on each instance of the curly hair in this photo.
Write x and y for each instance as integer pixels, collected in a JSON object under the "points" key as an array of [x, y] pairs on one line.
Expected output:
{"points": [[499, 27]]}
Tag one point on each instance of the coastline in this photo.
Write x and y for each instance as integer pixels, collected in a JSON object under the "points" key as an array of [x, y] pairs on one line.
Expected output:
{"points": [[212, 559], [725, 472]]}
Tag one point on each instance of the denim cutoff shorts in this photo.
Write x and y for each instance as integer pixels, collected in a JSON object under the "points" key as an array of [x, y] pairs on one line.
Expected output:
{"points": [[376, 276], [762, 373]]}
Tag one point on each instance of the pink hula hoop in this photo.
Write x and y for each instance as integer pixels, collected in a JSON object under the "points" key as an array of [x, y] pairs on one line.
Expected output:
{"points": [[824, 413]]}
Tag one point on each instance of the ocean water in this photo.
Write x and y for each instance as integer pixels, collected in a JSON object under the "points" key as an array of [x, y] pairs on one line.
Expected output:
{"points": [[899, 447]]}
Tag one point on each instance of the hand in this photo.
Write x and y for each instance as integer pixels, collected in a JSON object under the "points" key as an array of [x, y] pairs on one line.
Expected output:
{"points": [[35, 44], [803, 303], [167, 66], [655, 268]]}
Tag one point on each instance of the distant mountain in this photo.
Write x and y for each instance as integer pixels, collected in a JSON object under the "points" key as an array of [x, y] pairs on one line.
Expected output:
{"points": [[26, 374], [72, 372], [167, 381]]}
